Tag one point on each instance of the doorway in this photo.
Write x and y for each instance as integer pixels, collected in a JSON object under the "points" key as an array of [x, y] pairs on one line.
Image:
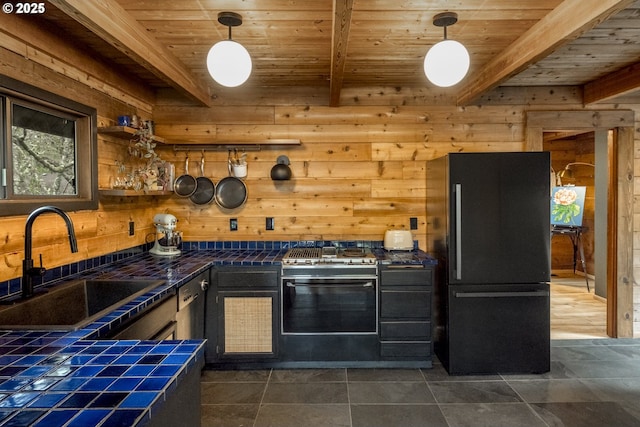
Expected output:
{"points": [[578, 308], [617, 249]]}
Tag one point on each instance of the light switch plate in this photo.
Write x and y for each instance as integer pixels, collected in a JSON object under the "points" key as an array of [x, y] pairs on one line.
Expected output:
{"points": [[233, 224], [269, 224]]}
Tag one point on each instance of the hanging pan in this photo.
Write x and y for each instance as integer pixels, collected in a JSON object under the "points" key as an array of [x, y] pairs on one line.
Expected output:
{"points": [[231, 192], [185, 185], [205, 188]]}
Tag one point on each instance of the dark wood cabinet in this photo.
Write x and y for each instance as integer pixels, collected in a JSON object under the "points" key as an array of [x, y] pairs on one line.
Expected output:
{"points": [[242, 315], [243, 322], [405, 313]]}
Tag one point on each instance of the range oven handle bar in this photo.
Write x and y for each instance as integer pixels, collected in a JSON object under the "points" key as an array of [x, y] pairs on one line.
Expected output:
{"points": [[365, 285], [332, 278], [404, 266]]}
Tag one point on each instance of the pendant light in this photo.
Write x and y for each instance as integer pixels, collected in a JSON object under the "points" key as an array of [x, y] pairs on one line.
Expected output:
{"points": [[447, 62], [228, 61]]}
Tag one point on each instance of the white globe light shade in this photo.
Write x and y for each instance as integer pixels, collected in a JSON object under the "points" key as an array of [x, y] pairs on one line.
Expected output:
{"points": [[446, 63], [229, 63]]}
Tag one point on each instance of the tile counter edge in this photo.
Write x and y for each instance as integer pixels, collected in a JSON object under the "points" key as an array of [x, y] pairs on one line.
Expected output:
{"points": [[49, 379]]}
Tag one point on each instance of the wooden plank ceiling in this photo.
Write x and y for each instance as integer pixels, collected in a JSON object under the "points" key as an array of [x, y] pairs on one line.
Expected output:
{"points": [[324, 47]]}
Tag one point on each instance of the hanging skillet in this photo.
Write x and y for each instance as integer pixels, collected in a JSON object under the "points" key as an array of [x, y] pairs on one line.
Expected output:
{"points": [[205, 188], [231, 192], [185, 185]]}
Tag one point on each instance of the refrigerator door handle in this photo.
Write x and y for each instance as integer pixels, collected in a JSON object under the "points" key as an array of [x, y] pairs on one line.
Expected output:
{"points": [[500, 294], [458, 191]]}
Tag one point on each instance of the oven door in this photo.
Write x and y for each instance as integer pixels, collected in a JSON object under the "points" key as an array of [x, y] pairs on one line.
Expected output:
{"points": [[329, 305]]}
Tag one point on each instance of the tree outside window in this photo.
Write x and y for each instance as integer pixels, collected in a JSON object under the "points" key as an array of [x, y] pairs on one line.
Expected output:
{"points": [[43, 153]]}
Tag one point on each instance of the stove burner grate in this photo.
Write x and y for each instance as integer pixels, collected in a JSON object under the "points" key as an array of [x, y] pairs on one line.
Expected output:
{"points": [[304, 253], [353, 252]]}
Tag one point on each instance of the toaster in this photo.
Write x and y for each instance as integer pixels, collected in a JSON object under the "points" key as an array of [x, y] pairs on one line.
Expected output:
{"points": [[398, 240]]}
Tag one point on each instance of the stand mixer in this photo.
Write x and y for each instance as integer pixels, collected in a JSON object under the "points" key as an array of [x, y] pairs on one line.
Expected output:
{"points": [[170, 240]]}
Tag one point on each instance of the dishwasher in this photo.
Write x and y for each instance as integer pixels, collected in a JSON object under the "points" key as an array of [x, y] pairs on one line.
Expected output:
{"points": [[156, 323], [191, 303]]}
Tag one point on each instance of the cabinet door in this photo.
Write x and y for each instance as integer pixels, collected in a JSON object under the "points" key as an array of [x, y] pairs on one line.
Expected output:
{"points": [[247, 324]]}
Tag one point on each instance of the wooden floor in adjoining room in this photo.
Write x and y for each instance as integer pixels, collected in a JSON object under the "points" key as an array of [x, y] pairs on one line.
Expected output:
{"points": [[575, 313]]}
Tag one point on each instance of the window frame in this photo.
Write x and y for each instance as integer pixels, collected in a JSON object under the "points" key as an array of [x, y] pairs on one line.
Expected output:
{"points": [[86, 145]]}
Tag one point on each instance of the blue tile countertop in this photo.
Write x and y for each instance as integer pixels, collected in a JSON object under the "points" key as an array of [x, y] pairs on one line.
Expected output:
{"points": [[70, 378], [416, 256]]}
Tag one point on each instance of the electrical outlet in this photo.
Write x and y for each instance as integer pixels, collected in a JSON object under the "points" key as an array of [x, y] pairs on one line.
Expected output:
{"points": [[269, 224], [132, 228], [233, 224], [413, 223]]}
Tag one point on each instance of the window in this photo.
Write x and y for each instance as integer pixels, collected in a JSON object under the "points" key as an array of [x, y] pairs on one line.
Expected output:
{"points": [[48, 151]]}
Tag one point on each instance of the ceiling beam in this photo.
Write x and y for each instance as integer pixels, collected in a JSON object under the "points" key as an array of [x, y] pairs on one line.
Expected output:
{"points": [[341, 24], [614, 84], [563, 24], [111, 22]]}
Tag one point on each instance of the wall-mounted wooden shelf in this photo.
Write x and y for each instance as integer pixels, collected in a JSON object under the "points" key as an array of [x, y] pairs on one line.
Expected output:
{"points": [[126, 132], [230, 145], [132, 193]]}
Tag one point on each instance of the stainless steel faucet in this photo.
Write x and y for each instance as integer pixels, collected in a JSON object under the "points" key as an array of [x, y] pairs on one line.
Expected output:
{"points": [[28, 270]]}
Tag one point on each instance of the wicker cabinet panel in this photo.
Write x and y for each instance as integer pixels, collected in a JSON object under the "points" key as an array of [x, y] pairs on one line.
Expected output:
{"points": [[248, 324]]}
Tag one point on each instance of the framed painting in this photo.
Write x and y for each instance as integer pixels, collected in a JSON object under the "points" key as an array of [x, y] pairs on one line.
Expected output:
{"points": [[567, 205]]}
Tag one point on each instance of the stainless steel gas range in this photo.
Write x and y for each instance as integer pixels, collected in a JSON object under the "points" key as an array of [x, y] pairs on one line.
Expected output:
{"points": [[328, 256], [329, 291]]}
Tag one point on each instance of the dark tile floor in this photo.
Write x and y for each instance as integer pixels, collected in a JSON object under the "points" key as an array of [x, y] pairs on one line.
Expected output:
{"points": [[592, 383]]}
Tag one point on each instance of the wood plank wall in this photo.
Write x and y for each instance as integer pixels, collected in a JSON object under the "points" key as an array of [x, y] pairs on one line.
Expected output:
{"points": [[358, 171], [360, 168]]}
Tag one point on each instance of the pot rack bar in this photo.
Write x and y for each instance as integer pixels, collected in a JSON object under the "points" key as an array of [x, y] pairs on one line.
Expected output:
{"points": [[225, 146]]}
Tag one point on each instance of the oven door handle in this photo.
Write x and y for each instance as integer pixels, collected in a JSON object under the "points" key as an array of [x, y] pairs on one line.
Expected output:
{"points": [[365, 285]]}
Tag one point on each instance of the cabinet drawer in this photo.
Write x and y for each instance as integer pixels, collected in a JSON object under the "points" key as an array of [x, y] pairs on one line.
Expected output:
{"points": [[406, 277], [405, 304], [243, 278], [405, 331], [406, 349]]}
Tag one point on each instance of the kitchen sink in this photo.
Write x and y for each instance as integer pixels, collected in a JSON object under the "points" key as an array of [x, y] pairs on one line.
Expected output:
{"points": [[73, 305]]}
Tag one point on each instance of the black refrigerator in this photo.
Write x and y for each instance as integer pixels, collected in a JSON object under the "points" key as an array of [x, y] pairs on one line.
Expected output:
{"points": [[489, 227]]}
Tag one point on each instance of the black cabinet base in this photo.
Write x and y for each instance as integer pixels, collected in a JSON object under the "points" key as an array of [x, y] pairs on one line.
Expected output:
{"points": [[322, 364], [337, 351], [182, 405]]}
